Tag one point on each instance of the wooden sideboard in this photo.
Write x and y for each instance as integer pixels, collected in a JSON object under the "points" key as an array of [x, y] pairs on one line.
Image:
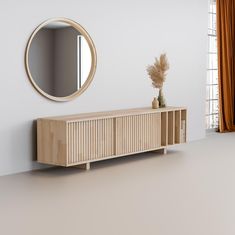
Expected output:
{"points": [[89, 137]]}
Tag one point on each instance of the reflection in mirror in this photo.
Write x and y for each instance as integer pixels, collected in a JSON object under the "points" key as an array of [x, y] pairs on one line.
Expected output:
{"points": [[59, 59]]}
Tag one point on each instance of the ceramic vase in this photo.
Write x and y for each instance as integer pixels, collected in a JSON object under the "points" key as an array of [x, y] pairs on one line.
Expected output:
{"points": [[155, 103], [161, 99]]}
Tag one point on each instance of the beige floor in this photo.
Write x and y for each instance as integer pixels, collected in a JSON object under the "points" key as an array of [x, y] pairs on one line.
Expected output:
{"points": [[191, 191]]}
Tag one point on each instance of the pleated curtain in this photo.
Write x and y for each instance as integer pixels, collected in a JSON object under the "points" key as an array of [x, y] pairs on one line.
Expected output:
{"points": [[225, 12]]}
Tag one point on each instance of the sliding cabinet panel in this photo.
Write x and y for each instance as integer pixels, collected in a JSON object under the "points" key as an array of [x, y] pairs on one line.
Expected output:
{"points": [[138, 133], [183, 126], [171, 131], [177, 126], [90, 140]]}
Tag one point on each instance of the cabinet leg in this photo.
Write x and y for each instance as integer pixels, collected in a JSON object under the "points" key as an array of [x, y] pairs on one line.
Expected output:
{"points": [[85, 166], [165, 151], [88, 166]]}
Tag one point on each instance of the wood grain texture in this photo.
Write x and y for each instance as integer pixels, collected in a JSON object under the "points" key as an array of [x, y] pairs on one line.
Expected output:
{"points": [[171, 127], [164, 128], [89, 140], [177, 126], [113, 114], [51, 139], [184, 128], [69, 142], [138, 133]]}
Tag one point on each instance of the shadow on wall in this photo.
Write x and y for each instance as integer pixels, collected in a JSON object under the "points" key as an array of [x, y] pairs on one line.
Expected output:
{"points": [[33, 148], [23, 146], [34, 141]]}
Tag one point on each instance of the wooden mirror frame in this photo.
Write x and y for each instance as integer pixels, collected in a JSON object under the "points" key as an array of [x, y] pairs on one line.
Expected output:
{"points": [[93, 58]]}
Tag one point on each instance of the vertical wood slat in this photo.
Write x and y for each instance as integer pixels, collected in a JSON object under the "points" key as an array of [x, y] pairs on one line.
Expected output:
{"points": [[134, 135], [170, 128], [177, 126], [183, 126], [159, 126], [89, 140], [164, 128], [137, 133], [86, 126], [173, 127]]}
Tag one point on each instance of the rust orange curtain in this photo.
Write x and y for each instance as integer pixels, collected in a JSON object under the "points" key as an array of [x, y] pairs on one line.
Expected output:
{"points": [[226, 63]]}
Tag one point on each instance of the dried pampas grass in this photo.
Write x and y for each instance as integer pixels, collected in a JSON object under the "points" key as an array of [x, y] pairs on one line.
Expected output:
{"points": [[157, 71]]}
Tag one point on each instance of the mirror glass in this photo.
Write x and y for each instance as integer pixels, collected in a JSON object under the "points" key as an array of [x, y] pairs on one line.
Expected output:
{"points": [[60, 59]]}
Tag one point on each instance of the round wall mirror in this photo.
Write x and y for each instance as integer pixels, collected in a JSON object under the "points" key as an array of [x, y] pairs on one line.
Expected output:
{"points": [[60, 59]]}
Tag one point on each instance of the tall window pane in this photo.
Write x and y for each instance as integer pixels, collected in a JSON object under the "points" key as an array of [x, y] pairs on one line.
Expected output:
{"points": [[212, 70]]}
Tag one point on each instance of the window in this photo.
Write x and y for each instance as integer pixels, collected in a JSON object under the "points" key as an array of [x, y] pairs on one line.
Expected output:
{"points": [[212, 71]]}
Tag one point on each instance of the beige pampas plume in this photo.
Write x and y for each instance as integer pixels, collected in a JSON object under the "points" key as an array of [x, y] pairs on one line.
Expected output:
{"points": [[157, 71]]}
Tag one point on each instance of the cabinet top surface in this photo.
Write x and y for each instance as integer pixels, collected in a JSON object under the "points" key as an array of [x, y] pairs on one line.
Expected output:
{"points": [[112, 114]]}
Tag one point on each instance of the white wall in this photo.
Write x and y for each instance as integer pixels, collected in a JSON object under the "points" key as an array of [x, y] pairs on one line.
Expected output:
{"points": [[128, 35]]}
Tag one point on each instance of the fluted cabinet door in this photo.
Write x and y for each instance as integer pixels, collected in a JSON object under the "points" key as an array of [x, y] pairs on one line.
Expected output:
{"points": [[90, 140], [137, 133]]}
